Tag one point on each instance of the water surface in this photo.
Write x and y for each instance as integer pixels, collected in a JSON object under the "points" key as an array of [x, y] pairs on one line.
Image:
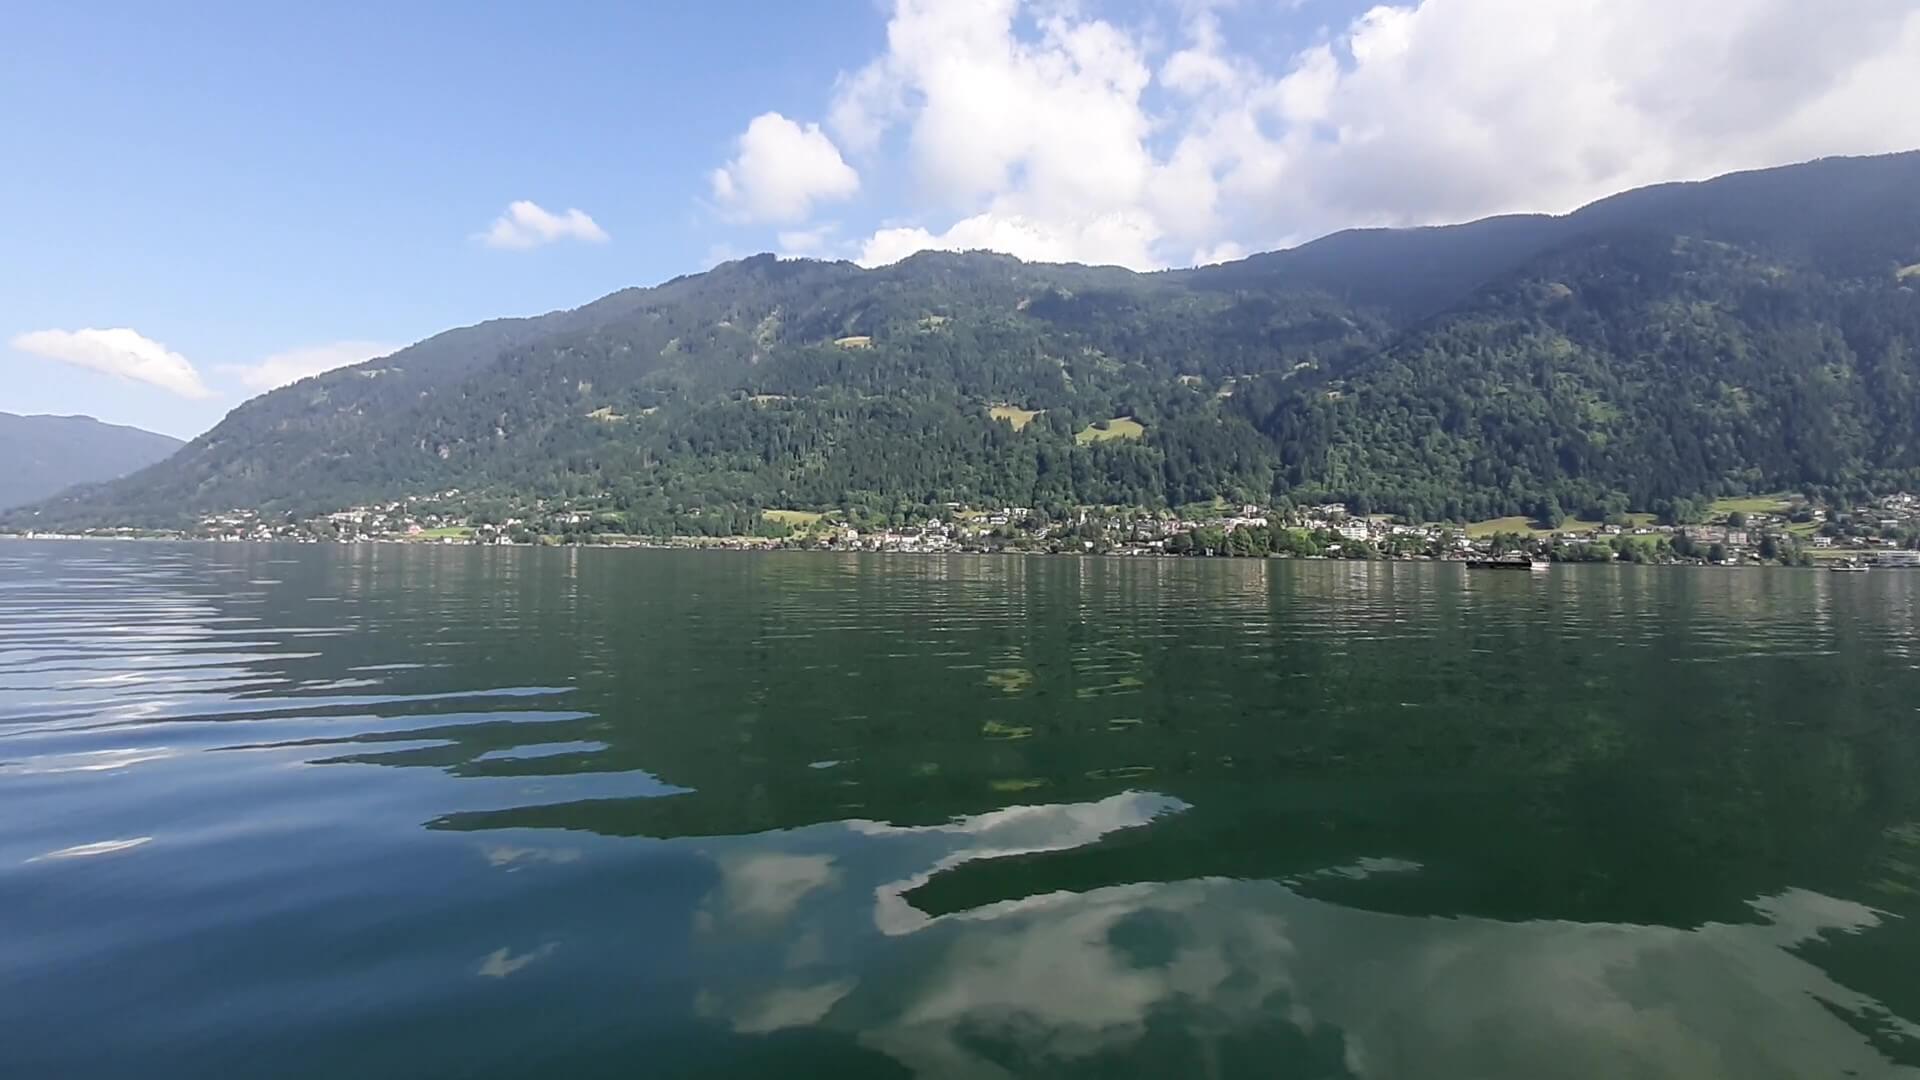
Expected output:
{"points": [[400, 811]]}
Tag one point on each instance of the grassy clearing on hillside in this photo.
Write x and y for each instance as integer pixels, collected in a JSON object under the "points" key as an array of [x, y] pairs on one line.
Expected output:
{"points": [[458, 532], [1517, 524], [1014, 414], [1748, 504], [1751, 504], [1120, 427], [796, 519], [1525, 526]]}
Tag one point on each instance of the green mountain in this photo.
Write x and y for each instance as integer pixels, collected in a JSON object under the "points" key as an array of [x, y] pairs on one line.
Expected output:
{"points": [[47, 454], [1753, 332]]}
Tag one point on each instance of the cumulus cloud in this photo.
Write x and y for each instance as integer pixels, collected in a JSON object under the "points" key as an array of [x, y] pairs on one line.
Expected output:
{"points": [[1121, 238], [780, 170], [1224, 251], [295, 364], [120, 352], [1049, 132], [527, 224], [1043, 138], [806, 243], [1459, 108]]}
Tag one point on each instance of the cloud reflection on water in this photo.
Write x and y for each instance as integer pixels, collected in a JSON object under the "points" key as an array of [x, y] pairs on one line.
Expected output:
{"points": [[1211, 970]]}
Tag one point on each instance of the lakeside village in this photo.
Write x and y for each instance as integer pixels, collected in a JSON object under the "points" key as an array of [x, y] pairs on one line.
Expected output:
{"points": [[1781, 530]]}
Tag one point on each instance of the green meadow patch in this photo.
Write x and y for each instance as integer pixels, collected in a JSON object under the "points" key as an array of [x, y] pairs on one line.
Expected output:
{"points": [[1750, 504], [1014, 414], [1120, 427], [798, 519], [1526, 526]]}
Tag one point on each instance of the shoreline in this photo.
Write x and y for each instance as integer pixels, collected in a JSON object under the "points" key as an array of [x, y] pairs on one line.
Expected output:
{"points": [[1823, 564]]}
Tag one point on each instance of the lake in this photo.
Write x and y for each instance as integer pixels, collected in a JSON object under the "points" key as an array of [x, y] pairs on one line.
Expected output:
{"points": [[388, 811]]}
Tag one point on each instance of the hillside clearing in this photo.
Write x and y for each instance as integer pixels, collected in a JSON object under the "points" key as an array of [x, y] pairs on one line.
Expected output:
{"points": [[796, 519], [1014, 414], [1750, 504], [1525, 526], [1120, 427]]}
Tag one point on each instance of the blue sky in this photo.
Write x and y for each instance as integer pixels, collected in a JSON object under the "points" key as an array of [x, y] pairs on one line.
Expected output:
{"points": [[241, 179], [254, 191]]}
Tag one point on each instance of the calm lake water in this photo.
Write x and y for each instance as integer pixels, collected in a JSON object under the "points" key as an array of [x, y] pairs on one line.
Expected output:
{"points": [[384, 811]]}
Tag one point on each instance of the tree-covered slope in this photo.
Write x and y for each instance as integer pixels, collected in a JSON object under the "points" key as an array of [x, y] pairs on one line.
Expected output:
{"points": [[769, 381], [1755, 331], [1626, 371], [47, 454]]}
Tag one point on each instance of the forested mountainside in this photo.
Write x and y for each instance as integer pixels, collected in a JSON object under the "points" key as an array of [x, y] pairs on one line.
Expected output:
{"points": [[1753, 332], [47, 454]]}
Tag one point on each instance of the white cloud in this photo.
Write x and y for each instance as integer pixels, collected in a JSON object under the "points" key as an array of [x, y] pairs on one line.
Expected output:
{"points": [[1459, 108], [781, 169], [1048, 132], [120, 352], [806, 243], [1121, 238], [1200, 66], [527, 224], [295, 364], [1224, 251]]}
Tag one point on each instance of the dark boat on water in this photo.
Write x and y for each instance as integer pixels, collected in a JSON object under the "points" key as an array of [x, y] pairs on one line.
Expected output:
{"points": [[1507, 562]]}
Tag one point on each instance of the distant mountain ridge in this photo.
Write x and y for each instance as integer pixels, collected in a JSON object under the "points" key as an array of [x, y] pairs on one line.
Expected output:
{"points": [[1752, 332], [45, 455], [1829, 213]]}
